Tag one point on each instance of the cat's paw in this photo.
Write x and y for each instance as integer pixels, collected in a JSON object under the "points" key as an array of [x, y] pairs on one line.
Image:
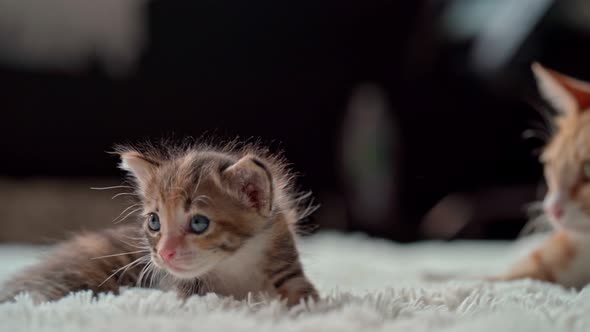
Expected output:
{"points": [[298, 292]]}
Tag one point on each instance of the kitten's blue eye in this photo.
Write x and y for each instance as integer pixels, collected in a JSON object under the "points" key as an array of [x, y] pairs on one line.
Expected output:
{"points": [[153, 222], [199, 224]]}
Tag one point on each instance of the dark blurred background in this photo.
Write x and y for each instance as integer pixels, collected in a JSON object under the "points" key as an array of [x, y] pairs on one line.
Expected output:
{"points": [[405, 118]]}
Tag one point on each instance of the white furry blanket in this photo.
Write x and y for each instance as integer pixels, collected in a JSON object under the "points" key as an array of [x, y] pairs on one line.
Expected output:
{"points": [[366, 285]]}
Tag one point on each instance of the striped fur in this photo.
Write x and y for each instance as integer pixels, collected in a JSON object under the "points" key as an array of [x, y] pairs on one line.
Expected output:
{"points": [[89, 261], [249, 246]]}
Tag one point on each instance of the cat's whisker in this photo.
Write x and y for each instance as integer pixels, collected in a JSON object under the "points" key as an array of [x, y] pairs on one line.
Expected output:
{"points": [[150, 275], [137, 261], [142, 273], [535, 225], [535, 133], [144, 246], [183, 191], [196, 189], [303, 196], [534, 207], [127, 215], [144, 259], [177, 195], [538, 130], [140, 239], [123, 194], [121, 254], [191, 289], [152, 272], [544, 112], [155, 273], [204, 199], [161, 274], [197, 287], [111, 187], [309, 210], [126, 209]]}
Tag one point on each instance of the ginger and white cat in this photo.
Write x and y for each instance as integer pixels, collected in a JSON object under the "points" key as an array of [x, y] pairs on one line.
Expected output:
{"points": [[213, 220], [564, 258]]}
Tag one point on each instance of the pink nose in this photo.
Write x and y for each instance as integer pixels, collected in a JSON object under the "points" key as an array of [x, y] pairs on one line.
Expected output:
{"points": [[167, 254], [555, 211]]}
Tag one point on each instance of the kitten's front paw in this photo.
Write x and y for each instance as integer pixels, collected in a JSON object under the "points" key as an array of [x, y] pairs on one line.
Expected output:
{"points": [[297, 291]]}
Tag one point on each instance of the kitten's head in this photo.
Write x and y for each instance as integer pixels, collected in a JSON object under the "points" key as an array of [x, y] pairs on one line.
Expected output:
{"points": [[566, 158], [200, 205]]}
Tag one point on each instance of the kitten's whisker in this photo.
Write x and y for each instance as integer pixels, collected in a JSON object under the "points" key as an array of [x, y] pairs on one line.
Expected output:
{"points": [[191, 289], [184, 192], [544, 111], [536, 225], [127, 209], [204, 199], [535, 133], [123, 194], [538, 220], [109, 188], [149, 270], [127, 215], [121, 254], [303, 196], [142, 273], [177, 195], [309, 210], [160, 274], [537, 130], [156, 275], [152, 273], [197, 185], [141, 239], [145, 257], [534, 207], [122, 268], [136, 245], [142, 247], [196, 286]]}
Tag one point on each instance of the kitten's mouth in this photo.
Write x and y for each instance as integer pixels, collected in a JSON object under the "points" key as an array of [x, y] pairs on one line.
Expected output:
{"points": [[187, 271], [572, 226], [175, 267], [171, 266], [577, 228]]}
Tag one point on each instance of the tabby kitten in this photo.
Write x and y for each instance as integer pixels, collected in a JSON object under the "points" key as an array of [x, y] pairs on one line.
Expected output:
{"points": [[564, 258], [213, 220]]}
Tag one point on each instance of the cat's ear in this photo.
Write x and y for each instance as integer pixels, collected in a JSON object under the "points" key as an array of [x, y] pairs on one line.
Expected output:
{"points": [[138, 165], [251, 181], [566, 94]]}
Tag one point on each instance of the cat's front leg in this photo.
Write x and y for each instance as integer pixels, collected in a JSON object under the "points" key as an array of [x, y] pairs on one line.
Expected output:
{"points": [[554, 257], [295, 287]]}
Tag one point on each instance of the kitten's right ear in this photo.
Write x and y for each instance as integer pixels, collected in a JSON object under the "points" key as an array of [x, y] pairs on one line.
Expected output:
{"points": [[138, 165], [566, 94], [251, 181]]}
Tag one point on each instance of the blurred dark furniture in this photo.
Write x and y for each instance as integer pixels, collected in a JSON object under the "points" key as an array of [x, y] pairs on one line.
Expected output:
{"points": [[283, 71]]}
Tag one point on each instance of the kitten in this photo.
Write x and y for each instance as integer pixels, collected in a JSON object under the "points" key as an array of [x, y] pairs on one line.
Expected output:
{"points": [[213, 220], [564, 258]]}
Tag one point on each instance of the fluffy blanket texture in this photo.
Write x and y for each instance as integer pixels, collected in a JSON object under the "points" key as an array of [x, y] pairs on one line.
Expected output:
{"points": [[366, 285]]}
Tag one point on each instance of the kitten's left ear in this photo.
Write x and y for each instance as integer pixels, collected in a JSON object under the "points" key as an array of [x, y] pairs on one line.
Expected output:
{"points": [[251, 180], [568, 95], [140, 166]]}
